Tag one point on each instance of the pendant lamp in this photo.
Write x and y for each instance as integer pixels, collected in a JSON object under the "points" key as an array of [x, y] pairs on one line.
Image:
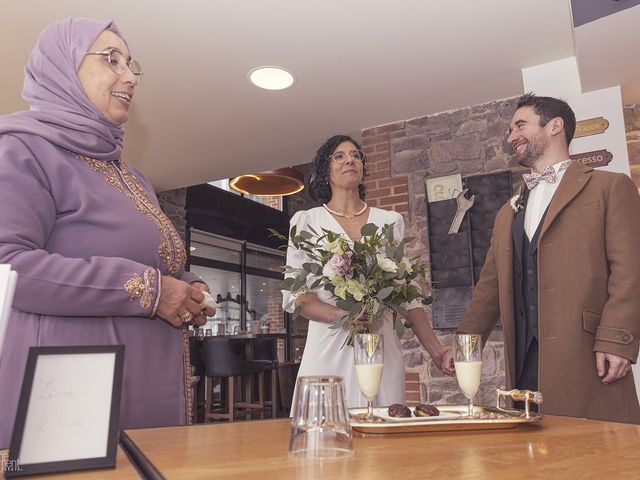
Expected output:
{"points": [[278, 182]]}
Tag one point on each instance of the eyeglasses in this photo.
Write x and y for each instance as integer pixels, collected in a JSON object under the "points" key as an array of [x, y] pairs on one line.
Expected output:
{"points": [[341, 157], [118, 62]]}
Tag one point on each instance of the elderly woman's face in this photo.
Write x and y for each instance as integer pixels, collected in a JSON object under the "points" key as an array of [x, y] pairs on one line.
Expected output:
{"points": [[346, 173], [110, 93]]}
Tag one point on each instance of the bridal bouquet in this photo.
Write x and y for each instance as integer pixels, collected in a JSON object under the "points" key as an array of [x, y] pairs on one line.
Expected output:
{"points": [[366, 277]]}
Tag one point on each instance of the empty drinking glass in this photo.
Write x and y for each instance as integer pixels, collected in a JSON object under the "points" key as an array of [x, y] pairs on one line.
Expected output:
{"points": [[320, 427]]}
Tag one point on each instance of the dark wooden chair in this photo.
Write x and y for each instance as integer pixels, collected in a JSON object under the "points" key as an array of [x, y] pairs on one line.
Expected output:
{"points": [[222, 361]]}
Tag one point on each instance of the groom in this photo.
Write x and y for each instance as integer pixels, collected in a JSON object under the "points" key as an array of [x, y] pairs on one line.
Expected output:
{"points": [[563, 274]]}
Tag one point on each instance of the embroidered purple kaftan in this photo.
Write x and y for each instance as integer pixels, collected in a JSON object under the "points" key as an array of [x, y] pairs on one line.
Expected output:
{"points": [[89, 242]]}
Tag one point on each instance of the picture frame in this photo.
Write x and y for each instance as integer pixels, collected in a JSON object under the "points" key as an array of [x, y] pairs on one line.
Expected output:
{"points": [[69, 410]]}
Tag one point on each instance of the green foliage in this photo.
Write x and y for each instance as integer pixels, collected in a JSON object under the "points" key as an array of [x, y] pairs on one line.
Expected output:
{"points": [[367, 277]]}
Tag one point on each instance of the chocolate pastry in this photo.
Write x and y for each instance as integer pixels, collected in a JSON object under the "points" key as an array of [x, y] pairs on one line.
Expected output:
{"points": [[423, 410], [399, 410]]}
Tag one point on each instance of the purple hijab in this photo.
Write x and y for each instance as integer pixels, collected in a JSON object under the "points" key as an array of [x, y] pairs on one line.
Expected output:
{"points": [[60, 111]]}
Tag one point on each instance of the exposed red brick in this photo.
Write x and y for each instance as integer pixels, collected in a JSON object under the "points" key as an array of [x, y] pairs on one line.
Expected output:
{"points": [[379, 193], [369, 149], [392, 182], [390, 127], [394, 200], [377, 176], [372, 140], [413, 398], [367, 132], [403, 209], [411, 377], [400, 189], [381, 147], [383, 166]]}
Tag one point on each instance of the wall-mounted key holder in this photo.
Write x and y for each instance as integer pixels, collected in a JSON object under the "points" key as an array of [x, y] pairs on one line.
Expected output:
{"points": [[457, 258]]}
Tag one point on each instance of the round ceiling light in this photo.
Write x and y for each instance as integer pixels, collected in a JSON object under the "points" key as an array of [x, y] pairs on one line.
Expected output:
{"points": [[271, 78]]}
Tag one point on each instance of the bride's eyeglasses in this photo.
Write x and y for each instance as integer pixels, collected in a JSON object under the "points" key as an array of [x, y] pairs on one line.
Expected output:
{"points": [[341, 157], [119, 62]]}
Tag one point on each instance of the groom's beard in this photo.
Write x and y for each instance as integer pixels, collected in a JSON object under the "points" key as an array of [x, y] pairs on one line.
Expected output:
{"points": [[534, 149]]}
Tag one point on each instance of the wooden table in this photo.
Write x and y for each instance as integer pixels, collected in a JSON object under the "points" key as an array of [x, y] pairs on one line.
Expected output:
{"points": [[559, 447], [124, 470]]}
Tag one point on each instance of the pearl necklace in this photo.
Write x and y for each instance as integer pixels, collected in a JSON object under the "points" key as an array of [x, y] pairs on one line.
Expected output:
{"points": [[348, 217]]}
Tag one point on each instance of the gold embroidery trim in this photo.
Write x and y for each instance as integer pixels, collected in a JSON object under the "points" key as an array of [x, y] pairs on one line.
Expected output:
{"points": [[142, 287], [171, 249], [186, 367]]}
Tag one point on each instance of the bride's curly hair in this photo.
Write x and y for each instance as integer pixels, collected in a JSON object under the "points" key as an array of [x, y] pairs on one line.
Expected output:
{"points": [[318, 183]]}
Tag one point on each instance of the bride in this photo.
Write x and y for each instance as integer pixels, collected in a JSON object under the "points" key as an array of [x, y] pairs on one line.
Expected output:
{"points": [[337, 183]]}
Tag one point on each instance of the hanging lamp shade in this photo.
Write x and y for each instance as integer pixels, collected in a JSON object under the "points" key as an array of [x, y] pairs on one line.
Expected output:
{"points": [[278, 182]]}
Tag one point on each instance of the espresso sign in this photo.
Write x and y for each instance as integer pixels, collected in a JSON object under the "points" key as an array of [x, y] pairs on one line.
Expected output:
{"points": [[597, 158], [591, 126]]}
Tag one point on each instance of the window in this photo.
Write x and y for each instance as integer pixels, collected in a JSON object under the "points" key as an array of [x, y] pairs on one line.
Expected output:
{"points": [[270, 201]]}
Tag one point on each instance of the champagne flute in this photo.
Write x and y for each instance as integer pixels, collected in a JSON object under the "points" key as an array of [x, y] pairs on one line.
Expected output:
{"points": [[468, 363], [368, 355]]}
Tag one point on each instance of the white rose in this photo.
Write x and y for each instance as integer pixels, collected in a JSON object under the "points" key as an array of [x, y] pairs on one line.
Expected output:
{"points": [[334, 247], [406, 264], [328, 271], [386, 264]]}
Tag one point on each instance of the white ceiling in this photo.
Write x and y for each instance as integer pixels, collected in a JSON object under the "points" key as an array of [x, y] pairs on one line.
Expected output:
{"points": [[358, 63]]}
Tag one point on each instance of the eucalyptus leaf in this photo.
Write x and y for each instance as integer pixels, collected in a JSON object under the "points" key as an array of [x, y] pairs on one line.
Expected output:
{"points": [[345, 304], [389, 232], [297, 311], [399, 327], [368, 230], [312, 268], [384, 293], [356, 308], [401, 310], [287, 283]]}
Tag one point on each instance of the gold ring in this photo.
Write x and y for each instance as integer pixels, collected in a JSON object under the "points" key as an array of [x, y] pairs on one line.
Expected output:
{"points": [[186, 317]]}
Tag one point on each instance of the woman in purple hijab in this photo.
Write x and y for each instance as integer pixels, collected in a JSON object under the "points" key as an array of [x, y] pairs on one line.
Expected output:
{"points": [[98, 262]]}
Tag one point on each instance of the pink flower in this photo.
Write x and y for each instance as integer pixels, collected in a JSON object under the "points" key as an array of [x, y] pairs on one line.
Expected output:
{"points": [[341, 264]]}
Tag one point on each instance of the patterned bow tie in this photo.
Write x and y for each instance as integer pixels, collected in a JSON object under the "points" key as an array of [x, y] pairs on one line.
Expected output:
{"points": [[548, 175]]}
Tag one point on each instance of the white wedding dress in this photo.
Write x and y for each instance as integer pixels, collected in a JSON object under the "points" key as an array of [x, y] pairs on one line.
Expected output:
{"points": [[323, 352]]}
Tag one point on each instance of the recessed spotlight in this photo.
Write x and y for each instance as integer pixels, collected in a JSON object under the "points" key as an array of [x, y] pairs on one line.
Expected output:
{"points": [[271, 78]]}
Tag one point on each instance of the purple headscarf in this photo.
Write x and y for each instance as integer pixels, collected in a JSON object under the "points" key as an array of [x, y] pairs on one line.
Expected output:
{"points": [[60, 111]]}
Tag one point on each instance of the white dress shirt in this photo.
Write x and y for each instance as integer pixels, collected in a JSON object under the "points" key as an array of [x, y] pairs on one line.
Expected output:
{"points": [[539, 199]]}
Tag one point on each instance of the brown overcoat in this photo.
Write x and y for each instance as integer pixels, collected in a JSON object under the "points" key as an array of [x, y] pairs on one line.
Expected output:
{"points": [[588, 293]]}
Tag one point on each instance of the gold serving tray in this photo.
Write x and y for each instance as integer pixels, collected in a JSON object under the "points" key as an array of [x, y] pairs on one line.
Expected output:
{"points": [[454, 417]]}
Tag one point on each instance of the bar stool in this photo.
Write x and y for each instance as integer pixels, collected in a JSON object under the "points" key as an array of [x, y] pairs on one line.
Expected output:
{"points": [[197, 373], [222, 361], [265, 354]]}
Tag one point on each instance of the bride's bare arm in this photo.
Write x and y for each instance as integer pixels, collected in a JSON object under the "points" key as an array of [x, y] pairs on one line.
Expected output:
{"points": [[315, 309]]}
